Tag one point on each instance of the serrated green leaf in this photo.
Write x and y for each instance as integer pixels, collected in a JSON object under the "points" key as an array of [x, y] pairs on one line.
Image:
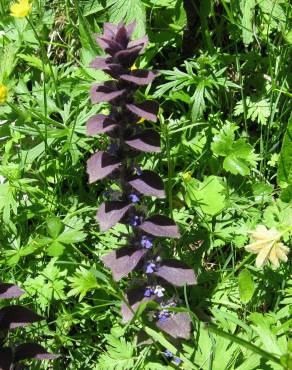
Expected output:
{"points": [[247, 9], [54, 227], [55, 249], [246, 286], [222, 142], [128, 11]]}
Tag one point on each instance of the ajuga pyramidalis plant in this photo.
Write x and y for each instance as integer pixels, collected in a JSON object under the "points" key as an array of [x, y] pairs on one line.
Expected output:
{"points": [[15, 316], [128, 140]]}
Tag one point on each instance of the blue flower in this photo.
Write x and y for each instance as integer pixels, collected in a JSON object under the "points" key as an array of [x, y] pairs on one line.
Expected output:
{"points": [[177, 360], [146, 242], [148, 292], [150, 268], [168, 353], [134, 198]]}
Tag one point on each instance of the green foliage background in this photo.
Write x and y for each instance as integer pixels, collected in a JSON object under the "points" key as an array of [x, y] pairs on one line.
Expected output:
{"points": [[225, 118]]}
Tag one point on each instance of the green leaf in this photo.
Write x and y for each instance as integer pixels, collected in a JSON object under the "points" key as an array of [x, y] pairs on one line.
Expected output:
{"points": [[208, 195], [55, 249], [54, 227], [71, 236], [246, 286], [240, 159], [285, 159], [128, 11], [222, 142], [247, 9], [119, 355], [82, 282]]}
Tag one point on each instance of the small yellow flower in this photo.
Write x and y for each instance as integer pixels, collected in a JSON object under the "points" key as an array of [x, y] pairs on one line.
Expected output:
{"points": [[267, 246], [20, 9], [133, 67], [187, 176], [3, 93], [141, 120]]}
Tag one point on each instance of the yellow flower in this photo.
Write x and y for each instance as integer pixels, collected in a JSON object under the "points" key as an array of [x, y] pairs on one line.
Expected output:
{"points": [[267, 246], [133, 67], [20, 9], [187, 176], [141, 120], [3, 93]]}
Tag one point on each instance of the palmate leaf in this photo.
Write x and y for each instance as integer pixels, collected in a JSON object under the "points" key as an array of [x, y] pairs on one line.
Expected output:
{"points": [[119, 355], [82, 282], [128, 10]]}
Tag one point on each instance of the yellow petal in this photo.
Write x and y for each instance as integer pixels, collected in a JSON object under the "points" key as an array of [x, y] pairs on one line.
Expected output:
{"points": [[260, 232], [262, 257], [273, 257]]}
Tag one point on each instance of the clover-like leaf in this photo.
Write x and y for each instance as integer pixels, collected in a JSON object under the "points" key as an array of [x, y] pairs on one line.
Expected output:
{"points": [[122, 261], [100, 165], [159, 225], [177, 326], [176, 273], [148, 183], [110, 213]]}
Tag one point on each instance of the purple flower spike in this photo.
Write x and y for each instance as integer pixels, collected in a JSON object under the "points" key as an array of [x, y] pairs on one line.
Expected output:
{"points": [[134, 198], [146, 242], [150, 268], [129, 139]]}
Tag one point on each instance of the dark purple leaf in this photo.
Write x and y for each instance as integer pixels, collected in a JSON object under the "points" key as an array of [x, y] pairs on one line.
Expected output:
{"points": [[100, 63], [105, 92], [176, 273], [10, 291], [148, 109], [143, 42], [6, 358], [100, 124], [123, 261], [177, 326], [15, 316], [109, 29], [148, 183], [139, 77], [122, 36], [100, 165], [114, 70], [33, 350], [108, 45], [128, 56], [134, 297], [130, 28], [160, 226], [110, 213], [146, 141]]}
